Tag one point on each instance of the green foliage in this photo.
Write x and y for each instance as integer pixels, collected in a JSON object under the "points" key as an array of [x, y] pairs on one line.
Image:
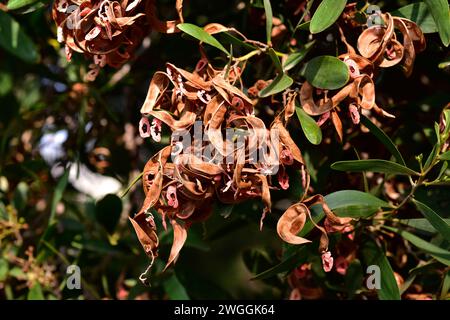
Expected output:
{"points": [[395, 189], [326, 72]]}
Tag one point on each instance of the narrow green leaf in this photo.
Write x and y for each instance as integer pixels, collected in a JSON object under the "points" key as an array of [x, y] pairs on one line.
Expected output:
{"points": [[440, 13], [445, 286], [436, 252], [374, 255], [326, 14], [326, 72], [436, 221], [202, 35], [17, 4], [288, 264], [374, 165], [295, 58], [383, 138], [108, 211], [309, 126], [445, 156], [269, 17], [345, 203], [279, 84], [301, 23], [419, 13], [14, 40], [35, 292], [57, 196]]}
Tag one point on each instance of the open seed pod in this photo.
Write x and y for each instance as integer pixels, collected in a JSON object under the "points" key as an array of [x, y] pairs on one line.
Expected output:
{"points": [[107, 32]]}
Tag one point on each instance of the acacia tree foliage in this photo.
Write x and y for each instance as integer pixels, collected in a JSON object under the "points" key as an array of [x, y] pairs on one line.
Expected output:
{"points": [[91, 92]]}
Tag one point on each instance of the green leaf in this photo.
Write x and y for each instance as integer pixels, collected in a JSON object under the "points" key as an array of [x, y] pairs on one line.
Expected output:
{"points": [[309, 126], [35, 292], [6, 83], [354, 278], [279, 84], [326, 72], [269, 17], [17, 4], [445, 156], [345, 203], [421, 224], [374, 165], [20, 196], [174, 289], [58, 194], [419, 13], [436, 252], [295, 58], [440, 13], [374, 255], [445, 286], [107, 211], [4, 267], [436, 221], [383, 138], [201, 35], [326, 14], [14, 40]]}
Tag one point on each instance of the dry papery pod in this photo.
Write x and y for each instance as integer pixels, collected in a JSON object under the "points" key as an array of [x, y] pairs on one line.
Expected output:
{"points": [[108, 32], [181, 186], [294, 218]]}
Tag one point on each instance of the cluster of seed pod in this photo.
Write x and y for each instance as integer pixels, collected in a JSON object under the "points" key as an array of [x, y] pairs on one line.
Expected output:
{"points": [[182, 185], [107, 32], [378, 47]]}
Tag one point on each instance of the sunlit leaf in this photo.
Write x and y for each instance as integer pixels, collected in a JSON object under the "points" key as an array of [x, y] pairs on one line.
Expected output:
{"points": [[108, 210], [326, 72]]}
